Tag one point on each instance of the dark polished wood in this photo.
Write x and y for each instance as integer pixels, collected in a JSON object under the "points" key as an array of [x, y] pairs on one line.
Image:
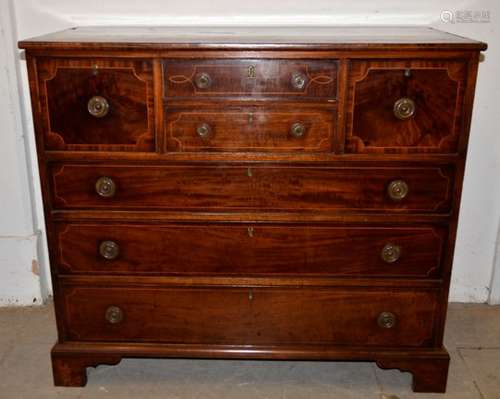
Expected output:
{"points": [[69, 84], [248, 128], [253, 187], [250, 249], [250, 316], [437, 89], [284, 78], [263, 193]]}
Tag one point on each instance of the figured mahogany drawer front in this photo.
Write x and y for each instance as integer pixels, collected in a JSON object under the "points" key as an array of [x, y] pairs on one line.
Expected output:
{"points": [[250, 129], [251, 77], [401, 106], [248, 315], [247, 249], [98, 104], [251, 187]]}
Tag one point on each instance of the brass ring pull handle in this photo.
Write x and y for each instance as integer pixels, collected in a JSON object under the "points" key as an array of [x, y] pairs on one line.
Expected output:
{"points": [[404, 108], [386, 320], [298, 130], [109, 250], [98, 107], [114, 315], [299, 81], [397, 190], [105, 187], [203, 130], [203, 80], [390, 253]]}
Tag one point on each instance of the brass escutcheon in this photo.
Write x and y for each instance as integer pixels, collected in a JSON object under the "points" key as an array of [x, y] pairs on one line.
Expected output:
{"points": [[251, 71]]}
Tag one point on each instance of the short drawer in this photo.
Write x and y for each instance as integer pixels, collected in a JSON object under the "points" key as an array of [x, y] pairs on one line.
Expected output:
{"points": [[405, 106], [97, 104], [250, 129], [251, 187], [250, 77], [247, 249], [250, 315]]}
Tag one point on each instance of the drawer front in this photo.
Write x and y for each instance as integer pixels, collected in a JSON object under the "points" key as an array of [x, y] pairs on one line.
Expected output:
{"points": [[405, 106], [250, 129], [251, 77], [98, 104], [251, 316], [219, 249], [236, 187]]}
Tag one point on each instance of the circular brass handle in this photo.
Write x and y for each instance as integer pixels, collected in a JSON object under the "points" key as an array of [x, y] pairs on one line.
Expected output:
{"points": [[386, 320], [105, 187], [203, 130], [98, 106], [404, 108], [203, 80], [298, 80], [298, 130], [114, 315], [397, 190], [109, 250], [390, 253]]}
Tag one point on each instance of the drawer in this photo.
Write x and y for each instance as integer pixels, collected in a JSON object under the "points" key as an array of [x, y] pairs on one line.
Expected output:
{"points": [[248, 249], [251, 77], [251, 187], [98, 104], [405, 106], [251, 315], [250, 129]]}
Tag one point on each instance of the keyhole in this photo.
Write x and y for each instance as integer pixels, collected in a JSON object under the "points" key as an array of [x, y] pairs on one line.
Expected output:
{"points": [[250, 295], [250, 232], [249, 172], [251, 71]]}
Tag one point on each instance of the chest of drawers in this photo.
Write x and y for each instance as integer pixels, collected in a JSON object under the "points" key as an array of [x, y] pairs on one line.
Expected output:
{"points": [[259, 193]]}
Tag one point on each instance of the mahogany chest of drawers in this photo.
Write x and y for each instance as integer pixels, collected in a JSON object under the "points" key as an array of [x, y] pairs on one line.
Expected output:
{"points": [[253, 193]]}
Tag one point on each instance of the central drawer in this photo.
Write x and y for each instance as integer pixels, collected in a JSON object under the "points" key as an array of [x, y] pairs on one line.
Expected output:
{"points": [[245, 128], [250, 77], [251, 187], [251, 315], [249, 250]]}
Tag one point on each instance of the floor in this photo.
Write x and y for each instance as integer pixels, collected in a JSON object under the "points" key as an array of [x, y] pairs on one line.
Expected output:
{"points": [[27, 334]]}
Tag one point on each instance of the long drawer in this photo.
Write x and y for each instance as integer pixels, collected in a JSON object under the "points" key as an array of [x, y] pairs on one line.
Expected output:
{"points": [[251, 315], [251, 187], [246, 249]]}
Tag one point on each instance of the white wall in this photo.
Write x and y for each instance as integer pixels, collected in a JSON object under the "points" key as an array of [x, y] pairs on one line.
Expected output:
{"points": [[481, 203], [19, 280]]}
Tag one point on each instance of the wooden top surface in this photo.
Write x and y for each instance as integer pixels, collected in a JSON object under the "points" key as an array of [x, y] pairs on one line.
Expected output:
{"points": [[160, 38]]}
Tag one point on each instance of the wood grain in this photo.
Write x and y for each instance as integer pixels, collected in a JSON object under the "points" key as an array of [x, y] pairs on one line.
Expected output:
{"points": [[249, 249], [252, 187], [250, 244]]}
